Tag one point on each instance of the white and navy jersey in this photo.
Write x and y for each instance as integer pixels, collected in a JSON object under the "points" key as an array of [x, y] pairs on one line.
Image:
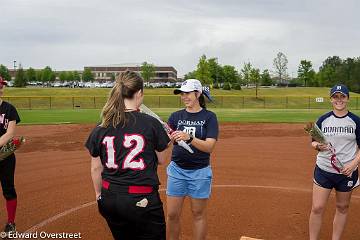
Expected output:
{"points": [[128, 153], [344, 135], [8, 113], [201, 125]]}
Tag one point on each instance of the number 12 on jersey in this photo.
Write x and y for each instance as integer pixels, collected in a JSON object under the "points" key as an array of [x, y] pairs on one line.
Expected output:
{"points": [[135, 143]]}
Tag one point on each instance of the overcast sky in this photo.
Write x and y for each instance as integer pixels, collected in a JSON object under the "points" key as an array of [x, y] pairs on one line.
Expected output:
{"points": [[71, 34]]}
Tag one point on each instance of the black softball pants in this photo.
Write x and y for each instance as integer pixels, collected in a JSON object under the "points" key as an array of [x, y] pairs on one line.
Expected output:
{"points": [[127, 220], [7, 172]]}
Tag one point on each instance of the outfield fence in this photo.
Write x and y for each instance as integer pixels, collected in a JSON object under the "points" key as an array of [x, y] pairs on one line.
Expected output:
{"points": [[172, 101]]}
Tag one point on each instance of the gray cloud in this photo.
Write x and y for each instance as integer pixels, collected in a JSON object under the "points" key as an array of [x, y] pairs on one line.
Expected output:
{"points": [[72, 34]]}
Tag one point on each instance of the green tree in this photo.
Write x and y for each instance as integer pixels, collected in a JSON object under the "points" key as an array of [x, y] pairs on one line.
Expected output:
{"points": [[216, 71], [347, 70], [77, 77], [190, 75], [47, 76], [147, 71], [246, 70], [30, 75], [87, 75], [334, 70], [203, 71], [52, 77], [39, 75], [266, 78], [306, 73], [333, 62], [4, 73], [280, 64], [63, 76], [230, 74], [255, 79], [328, 71], [70, 76], [355, 83], [20, 79]]}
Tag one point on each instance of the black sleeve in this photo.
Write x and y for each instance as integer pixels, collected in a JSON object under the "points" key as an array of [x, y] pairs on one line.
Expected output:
{"points": [[92, 143], [13, 114], [161, 140]]}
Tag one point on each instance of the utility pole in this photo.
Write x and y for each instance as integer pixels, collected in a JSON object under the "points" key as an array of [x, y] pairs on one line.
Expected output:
{"points": [[14, 69], [217, 68]]}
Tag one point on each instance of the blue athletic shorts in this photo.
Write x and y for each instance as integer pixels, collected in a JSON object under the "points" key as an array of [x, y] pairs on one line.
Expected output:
{"points": [[340, 182], [183, 182]]}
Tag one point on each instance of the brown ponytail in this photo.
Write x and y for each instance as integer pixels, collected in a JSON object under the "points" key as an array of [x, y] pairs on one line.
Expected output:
{"points": [[126, 85], [202, 101]]}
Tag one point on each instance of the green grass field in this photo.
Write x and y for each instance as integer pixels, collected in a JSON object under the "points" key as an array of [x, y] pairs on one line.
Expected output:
{"points": [[224, 115], [101, 92], [91, 98], [64, 105]]}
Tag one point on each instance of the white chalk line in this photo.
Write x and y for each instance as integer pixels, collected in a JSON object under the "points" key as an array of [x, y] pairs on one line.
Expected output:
{"points": [[69, 211]]}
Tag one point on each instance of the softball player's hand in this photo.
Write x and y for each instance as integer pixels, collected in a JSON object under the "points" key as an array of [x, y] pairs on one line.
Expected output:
{"points": [[349, 168], [180, 135], [320, 146]]}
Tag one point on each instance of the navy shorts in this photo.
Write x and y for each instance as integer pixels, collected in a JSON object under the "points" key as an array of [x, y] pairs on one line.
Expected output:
{"points": [[340, 182]]}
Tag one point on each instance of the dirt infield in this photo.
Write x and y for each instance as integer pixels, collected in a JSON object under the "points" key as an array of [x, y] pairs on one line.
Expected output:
{"points": [[262, 184]]}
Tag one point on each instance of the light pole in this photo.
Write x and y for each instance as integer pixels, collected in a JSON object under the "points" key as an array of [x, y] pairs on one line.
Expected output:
{"points": [[14, 69], [216, 68]]}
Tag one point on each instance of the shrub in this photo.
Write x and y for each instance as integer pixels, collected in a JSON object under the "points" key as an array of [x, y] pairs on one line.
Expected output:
{"points": [[216, 86], [236, 86], [226, 86]]}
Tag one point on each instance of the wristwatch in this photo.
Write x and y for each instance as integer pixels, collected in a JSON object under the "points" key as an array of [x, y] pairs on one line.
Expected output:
{"points": [[190, 139]]}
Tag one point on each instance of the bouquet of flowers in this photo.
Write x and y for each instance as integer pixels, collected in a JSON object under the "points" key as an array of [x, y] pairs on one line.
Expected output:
{"points": [[11, 146], [315, 132]]}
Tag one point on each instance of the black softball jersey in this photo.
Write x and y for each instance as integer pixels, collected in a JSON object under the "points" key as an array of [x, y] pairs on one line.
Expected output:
{"points": [[8, 113], [128, 153]]}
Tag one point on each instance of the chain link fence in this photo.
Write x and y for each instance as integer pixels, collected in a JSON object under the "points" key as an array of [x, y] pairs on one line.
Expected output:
{"points": [[172, 101]]}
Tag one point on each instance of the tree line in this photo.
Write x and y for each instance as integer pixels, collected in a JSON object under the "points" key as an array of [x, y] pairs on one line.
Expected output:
{"points": [[47, 76], [44, 76], [333, 70]]}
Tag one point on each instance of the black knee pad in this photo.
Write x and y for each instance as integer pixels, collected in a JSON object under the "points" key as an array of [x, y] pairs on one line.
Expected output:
{"points": [[9, 194]]}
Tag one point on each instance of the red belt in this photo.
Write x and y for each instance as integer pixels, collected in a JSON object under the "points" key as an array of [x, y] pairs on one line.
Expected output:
{"points": [[129, 189]]}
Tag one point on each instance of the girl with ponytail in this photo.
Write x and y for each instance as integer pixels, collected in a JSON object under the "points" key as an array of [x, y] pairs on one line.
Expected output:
{"points": [[125, 150]]}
